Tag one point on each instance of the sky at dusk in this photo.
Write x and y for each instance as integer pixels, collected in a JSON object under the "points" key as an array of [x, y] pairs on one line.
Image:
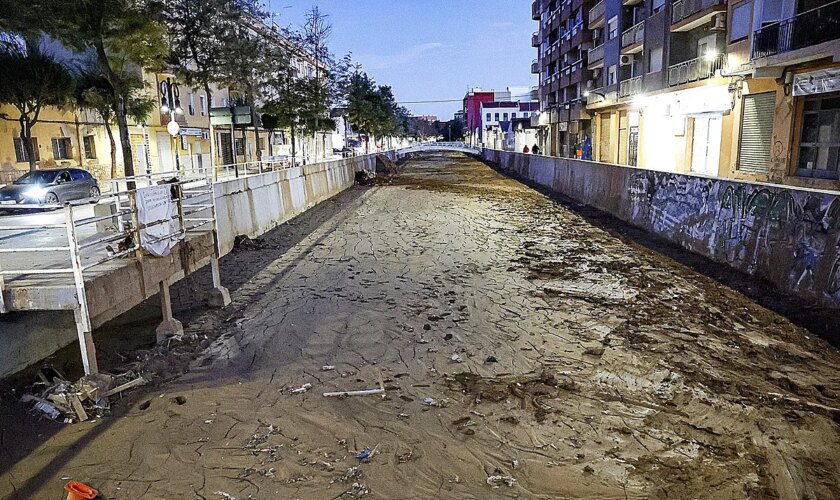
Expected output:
{"points": [[430, 49]]}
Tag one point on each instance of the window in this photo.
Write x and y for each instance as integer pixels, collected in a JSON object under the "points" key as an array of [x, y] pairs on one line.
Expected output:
{"points": [[526, 114], [20, 151], [611, 74], [77, 175], [819, 149], [239, 146], [497, 117], [612, 28], [203, 101], [505, 117], [63, 177], [489, 117], [739, 25], [655, 60], [657, 6], [192, 104], [61, 148], [90, 147]]}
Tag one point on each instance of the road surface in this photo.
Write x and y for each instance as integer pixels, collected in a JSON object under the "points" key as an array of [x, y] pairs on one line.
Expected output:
{"points": [[517, 343]]}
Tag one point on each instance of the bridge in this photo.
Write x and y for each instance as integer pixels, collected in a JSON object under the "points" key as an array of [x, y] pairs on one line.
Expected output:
{"points": [[459, 147]]}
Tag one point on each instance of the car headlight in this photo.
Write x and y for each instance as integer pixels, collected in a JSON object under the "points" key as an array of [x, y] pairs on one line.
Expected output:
{"points": [[35, 193]]}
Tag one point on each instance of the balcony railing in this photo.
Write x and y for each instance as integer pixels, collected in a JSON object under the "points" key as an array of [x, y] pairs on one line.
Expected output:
{"points": [[596, 13], [683, 9], [808, 28], [536, 10], [535, 67], [535, 39], [634, 35], [596, 55], [630, 87], [700, 68]]}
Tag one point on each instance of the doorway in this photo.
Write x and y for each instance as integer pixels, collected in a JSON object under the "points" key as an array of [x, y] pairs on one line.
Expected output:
{"points": [[164, 147], [705, 149]]}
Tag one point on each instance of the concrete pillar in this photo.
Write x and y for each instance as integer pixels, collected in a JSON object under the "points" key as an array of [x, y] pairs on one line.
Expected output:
{"points": [[86, 341], [219, 296], [169, 327]]}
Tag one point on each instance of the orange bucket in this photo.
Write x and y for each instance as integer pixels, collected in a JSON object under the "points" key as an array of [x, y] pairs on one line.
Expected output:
{"points": [[79, 491]]}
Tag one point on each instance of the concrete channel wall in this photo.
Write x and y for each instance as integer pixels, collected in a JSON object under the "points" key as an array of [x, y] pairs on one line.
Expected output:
{"points": [[247, 206], [788, 236]]}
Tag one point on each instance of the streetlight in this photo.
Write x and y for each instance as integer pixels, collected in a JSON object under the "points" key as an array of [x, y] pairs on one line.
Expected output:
{"points": [[170, 105], [592, 92]]}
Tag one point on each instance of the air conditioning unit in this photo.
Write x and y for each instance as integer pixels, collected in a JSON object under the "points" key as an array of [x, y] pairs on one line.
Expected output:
{"points": [[625, 60], [719, 22]]}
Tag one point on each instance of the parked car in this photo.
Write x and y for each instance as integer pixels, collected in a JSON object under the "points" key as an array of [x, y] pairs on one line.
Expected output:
{"points": [[50, 187]]}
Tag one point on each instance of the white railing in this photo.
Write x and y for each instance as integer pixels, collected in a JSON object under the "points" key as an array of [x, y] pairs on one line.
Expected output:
{"points": [[635, 34]]}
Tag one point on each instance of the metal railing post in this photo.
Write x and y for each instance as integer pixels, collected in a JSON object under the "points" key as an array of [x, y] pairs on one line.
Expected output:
{"points": [[2, 287], [84, 329]]}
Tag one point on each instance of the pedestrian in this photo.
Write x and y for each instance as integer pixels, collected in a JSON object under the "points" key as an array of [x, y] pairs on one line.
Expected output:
{"points": [[535, 149], [526, 150]]}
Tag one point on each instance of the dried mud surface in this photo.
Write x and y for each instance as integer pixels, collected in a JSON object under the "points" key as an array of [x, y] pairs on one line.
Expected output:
{"points": [[554, 354]]}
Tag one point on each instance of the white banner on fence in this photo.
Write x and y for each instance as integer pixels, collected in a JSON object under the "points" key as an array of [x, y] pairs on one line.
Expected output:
{"points": [[155, 204]]}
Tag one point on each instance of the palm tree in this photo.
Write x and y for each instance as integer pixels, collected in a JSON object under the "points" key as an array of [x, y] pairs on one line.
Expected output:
{"points": [[32, 80]]}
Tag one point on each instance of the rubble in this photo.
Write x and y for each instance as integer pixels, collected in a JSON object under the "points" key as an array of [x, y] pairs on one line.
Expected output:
{"points": [[59, 400]]}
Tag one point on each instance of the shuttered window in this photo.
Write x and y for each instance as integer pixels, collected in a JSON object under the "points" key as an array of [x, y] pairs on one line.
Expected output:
{"points": [[756, 132]]}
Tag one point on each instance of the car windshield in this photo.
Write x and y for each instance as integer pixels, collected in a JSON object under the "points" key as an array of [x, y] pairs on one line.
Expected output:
{"points": [[37, 178]]}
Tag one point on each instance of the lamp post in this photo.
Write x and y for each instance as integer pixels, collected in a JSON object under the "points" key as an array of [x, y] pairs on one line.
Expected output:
{"points": [[170, 105]]}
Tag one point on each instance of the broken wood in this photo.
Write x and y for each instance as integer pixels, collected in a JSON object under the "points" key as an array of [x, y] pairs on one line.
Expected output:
{"points": [[122, 388], [78, 408]]}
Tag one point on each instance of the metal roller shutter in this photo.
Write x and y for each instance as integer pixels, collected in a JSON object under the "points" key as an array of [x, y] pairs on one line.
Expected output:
{"points": [[756, 132]]}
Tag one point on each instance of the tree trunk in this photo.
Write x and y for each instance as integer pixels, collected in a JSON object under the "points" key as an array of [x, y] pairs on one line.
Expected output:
{"points": [[209, 95], [120, 108], [26, 138], [110, 132], [294, 152]]}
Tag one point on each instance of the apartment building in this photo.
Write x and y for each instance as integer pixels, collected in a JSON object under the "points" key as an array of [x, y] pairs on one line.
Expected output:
{"points": [[497, 118], [742, 89], [563, 41]]}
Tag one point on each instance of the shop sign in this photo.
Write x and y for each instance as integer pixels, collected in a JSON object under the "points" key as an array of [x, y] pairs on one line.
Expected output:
{"points": [[817, 82]]}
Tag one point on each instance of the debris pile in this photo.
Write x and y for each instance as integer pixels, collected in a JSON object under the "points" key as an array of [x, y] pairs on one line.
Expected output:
{"points": [[56, 398], [365, 178]]}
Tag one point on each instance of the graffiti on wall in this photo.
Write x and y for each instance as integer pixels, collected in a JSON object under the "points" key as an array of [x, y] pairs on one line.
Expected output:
{"points": [[791, 237]]}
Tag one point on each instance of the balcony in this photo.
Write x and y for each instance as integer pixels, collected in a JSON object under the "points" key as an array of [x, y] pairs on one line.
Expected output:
{"points": [[596, 57], [535, 67], [535, 93], [536, 10], [807, 29], [633, 38], [689, 14], [699, 68], [596, 15], [630, 2], [630, 87], [535, 39]]}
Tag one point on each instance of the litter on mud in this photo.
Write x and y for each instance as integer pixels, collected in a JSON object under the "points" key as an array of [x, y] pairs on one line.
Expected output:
{"points": [[57, 399]]}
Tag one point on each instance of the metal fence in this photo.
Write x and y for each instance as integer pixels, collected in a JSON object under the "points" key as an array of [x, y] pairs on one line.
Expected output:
{"points": [[699, 68], [808, 28]]}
